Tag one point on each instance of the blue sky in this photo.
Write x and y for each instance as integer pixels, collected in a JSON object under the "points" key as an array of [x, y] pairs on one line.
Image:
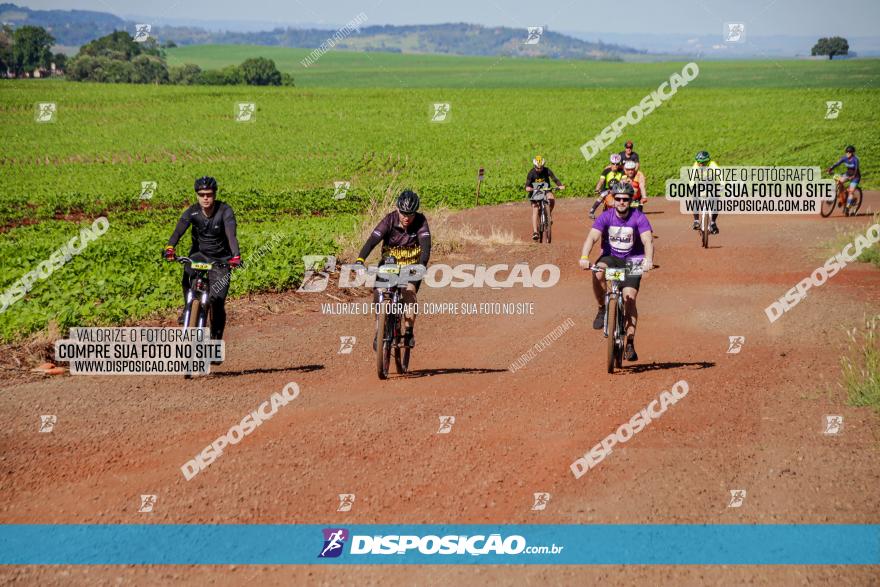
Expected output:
{"points": [[694, 17]]}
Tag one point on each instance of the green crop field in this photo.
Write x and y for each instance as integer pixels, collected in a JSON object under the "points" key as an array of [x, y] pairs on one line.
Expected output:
{"points": [[365, 119]]}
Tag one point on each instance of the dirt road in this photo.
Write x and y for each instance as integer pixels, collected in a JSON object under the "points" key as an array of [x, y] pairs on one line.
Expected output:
{"points": [[752, 421]]}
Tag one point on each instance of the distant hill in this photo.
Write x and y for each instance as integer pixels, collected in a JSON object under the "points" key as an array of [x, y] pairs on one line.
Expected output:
{"points": [[69, 27], [77, 27]]}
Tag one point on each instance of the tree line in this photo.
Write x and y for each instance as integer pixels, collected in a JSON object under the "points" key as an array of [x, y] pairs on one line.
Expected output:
{"points": [[118, 58]]}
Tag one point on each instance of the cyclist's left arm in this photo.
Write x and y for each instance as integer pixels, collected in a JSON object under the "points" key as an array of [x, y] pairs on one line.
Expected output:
{"points": [[646, 234], [231, 229], [552, 176], [424, 235]]}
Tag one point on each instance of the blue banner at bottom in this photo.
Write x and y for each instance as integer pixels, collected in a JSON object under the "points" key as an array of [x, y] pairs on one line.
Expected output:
{"points": [[176, 544]]}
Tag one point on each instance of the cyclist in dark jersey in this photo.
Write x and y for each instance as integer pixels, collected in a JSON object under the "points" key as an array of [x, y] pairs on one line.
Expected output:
{"points": [[540, 173], [853, 173], [404, 234], [213, 239]]}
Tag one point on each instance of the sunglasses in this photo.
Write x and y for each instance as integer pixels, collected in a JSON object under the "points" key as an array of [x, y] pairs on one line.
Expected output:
{"points": [[622, 199], [413, 215]]}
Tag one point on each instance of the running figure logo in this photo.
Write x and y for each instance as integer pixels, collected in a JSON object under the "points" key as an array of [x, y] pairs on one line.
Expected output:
{"points": [[734, 32], [148, 188], [833, 425], [832, 109], [346, 501], [737, 497], [541, 500], [334, 540], [340, 188], [346, 344], [141, 32], [736, 344], [535, 33], [147, 503], [45, 112], [441, 112], [317, 272], [47, 423], [446, 423], [245, 112]]}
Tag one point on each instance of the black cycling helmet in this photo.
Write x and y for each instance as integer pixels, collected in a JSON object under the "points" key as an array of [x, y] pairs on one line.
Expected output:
{"points": [[408, 202], [623, 187], [702, 157], [850, 149], [206, 183]]}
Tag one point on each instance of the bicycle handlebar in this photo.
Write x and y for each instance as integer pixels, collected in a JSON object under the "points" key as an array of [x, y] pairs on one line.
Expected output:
{"points": [[183, 260]]}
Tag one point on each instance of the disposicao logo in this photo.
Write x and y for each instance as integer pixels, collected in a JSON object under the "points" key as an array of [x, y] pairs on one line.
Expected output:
{"points": [[334, 540]]}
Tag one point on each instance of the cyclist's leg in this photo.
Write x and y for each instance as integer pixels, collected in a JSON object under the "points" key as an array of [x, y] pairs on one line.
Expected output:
{"points": [[630, 310], [552, 199], [219, 288], [851, 190], [534, 217], [409, 300]]}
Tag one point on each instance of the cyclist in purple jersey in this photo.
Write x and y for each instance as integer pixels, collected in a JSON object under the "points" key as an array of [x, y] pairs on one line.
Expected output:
{"points": [[853, 173], [626, 235]]}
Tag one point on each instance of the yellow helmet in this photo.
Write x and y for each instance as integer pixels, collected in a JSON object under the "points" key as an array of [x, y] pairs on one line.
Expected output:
{"points": [[539, 161]]}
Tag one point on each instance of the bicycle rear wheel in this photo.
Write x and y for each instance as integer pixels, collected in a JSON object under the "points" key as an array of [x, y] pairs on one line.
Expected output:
{"points": [[853, 209], [612, 333]]}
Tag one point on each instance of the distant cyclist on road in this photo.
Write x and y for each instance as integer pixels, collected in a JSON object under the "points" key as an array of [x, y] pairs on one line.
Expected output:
{"points": [[612, 174], [702, 159], [853, 174], [213, 239], [626, 235], [540, 172], [404, 234]]}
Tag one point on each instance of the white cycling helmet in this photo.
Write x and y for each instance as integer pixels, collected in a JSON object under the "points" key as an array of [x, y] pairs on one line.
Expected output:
{"points": [[615, 159], [629, 165], [539, 161]]}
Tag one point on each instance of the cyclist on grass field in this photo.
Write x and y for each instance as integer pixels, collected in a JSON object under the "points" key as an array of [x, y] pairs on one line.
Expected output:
{"points": [[540, 173], [702, 159], [214, 240], [404, 234], [852, 175], [626, 235], [633, 176], [612, 174]]}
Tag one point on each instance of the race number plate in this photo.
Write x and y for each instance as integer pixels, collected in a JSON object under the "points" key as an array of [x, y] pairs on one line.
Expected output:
{"points": [[199, 266], [614, 274], [390, 269]]}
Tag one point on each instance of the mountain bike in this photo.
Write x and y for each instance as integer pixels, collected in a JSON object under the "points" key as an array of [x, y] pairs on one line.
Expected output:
{"points": [[390, 319], [850, 208], [545, 222], [614, 328], [197, 311]]}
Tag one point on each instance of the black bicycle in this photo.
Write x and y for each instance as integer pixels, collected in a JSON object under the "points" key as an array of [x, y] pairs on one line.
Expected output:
{"points": [[614, 328], [538, 195], [390, 319], [197, 310]]}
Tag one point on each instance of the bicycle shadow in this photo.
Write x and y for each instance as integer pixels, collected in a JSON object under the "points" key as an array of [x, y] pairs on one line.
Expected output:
{"points": [[260, 371], [453, 371], [663, 366]]}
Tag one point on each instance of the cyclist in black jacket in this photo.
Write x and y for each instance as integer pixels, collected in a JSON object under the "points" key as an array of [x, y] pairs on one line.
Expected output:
{"points": [[540, 172], [213, 239], [405, 235]]}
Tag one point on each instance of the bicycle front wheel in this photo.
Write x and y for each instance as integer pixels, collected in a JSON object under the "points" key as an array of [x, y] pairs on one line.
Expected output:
{"points": [[612, 333]]}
